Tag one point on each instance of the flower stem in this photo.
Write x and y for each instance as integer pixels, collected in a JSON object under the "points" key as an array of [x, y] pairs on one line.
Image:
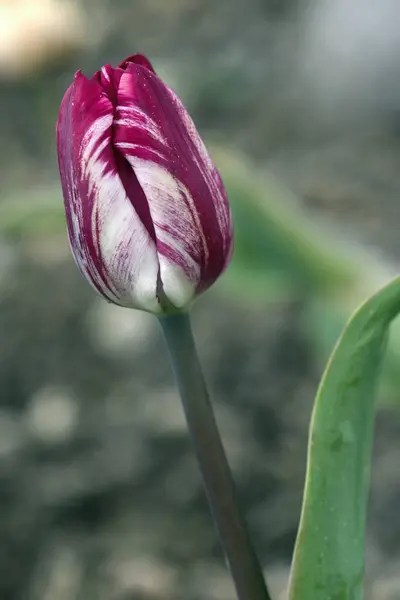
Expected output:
{"points": [[220, 489]]}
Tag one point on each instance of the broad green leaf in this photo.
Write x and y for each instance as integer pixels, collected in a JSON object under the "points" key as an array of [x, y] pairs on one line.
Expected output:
{"points": [[328, 560]]}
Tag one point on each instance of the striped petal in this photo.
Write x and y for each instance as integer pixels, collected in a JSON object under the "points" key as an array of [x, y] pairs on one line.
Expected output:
{"points": [[110, 231], [186, 198]]}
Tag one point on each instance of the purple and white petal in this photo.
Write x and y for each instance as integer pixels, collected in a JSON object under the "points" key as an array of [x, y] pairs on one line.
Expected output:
{"points": [[186, 197], [109, 241]]}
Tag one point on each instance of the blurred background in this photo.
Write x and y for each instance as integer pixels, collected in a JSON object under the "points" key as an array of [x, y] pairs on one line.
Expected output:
{"points": [[299, 101]]}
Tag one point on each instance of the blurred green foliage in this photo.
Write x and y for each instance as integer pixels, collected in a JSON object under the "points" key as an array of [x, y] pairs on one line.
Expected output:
{"points": [[280, 252]]}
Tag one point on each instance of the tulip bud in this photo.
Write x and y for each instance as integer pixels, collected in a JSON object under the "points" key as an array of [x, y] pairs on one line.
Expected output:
{"points": [[148, 218]]}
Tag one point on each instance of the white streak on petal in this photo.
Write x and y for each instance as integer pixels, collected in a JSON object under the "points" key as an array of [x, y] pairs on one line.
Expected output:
{"points": [[92, 149], [177, 287], [132, 146], [207, 168], [171, 240], [134, 116], [172, 206], [127, 250], [105, 74], [193, 134], [93, 134], [159, 186]]}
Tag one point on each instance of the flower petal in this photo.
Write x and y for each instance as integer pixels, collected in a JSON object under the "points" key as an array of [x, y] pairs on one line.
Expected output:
{"points": [[186, 197], [112, 246], [180, 237], [138, 59]]}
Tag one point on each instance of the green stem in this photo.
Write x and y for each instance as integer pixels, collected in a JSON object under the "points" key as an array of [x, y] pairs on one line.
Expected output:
{"points": [[220, 489]]}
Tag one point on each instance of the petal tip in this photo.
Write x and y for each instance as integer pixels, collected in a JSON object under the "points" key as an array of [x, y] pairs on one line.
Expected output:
{"points": [[137, 59]]}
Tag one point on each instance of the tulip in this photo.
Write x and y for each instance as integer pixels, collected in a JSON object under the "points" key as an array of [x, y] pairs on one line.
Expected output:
{"points": [[148, 218]]}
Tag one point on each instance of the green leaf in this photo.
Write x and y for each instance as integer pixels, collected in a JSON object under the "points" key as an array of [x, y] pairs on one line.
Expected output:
{"points": [[328, 560]]}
